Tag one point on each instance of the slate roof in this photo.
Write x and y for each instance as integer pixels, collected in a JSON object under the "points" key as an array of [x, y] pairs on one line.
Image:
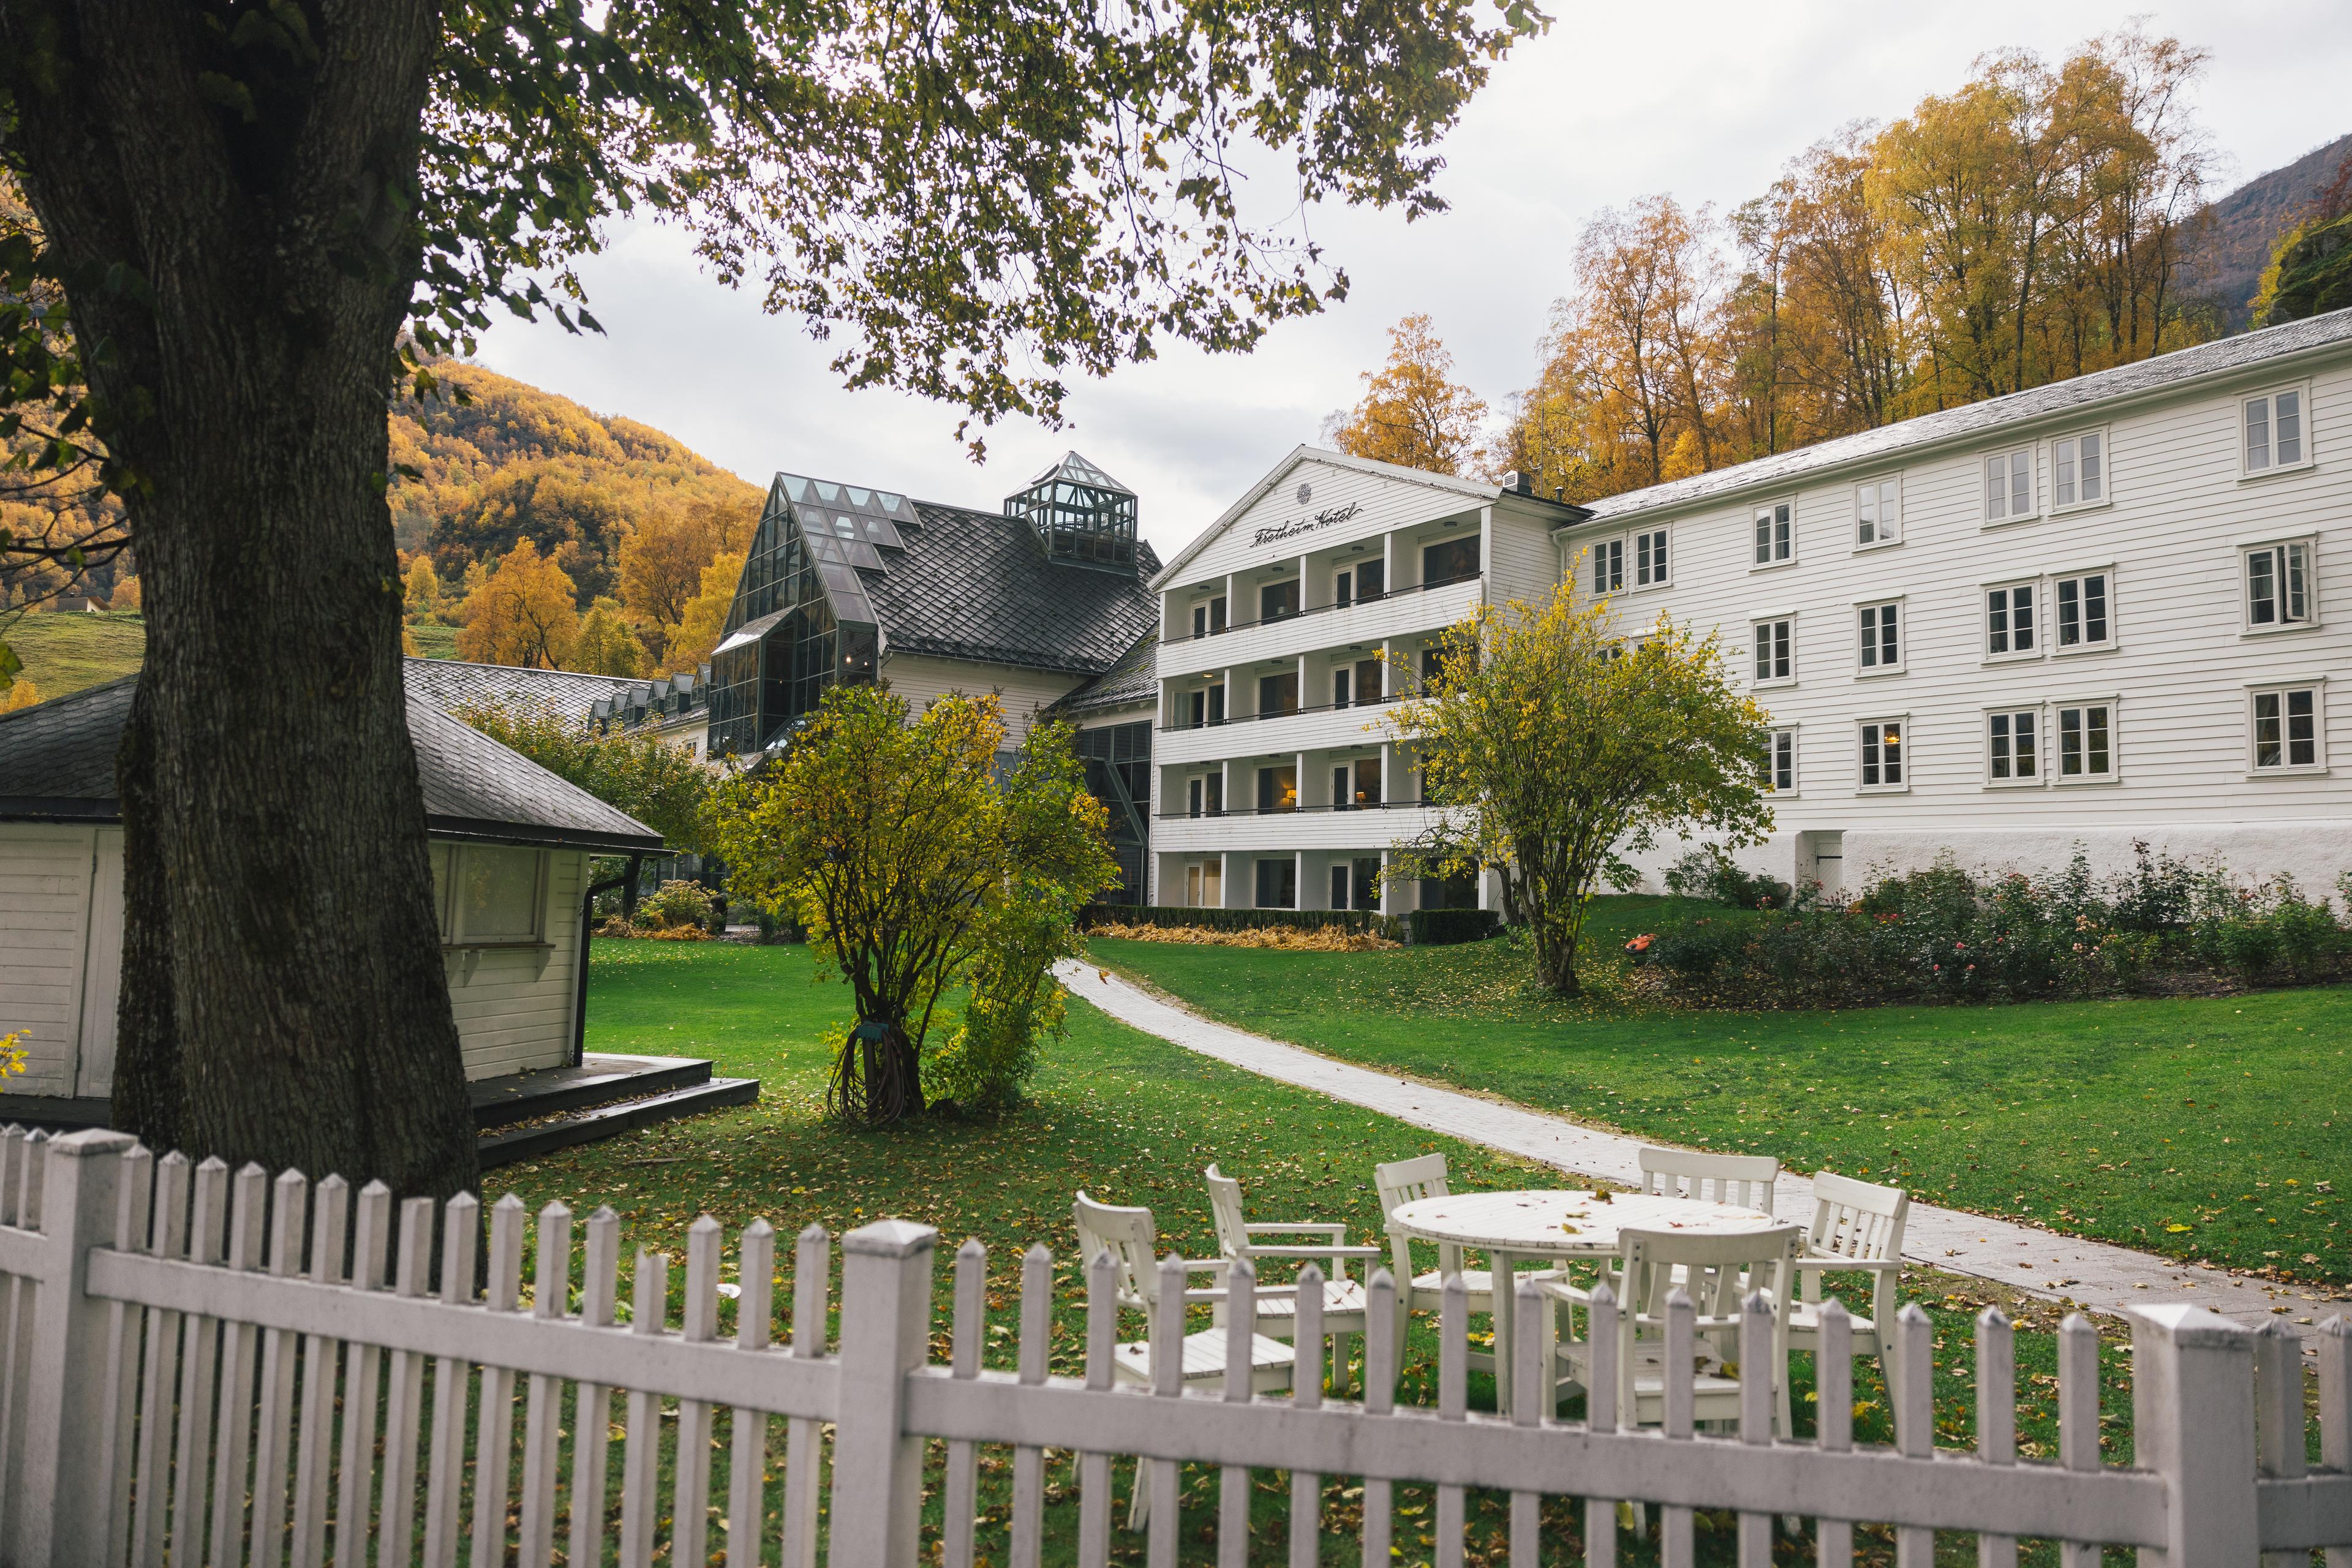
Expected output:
{"points": [[58, 759], [1133, 679], [450, 684], [2248, 350], [979, 585]]}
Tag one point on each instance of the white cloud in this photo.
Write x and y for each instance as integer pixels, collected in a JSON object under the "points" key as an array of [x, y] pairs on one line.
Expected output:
{"points": [[1707, 99]]}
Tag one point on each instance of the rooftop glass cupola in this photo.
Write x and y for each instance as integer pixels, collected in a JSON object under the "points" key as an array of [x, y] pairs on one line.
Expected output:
{"points": [[1081, 515]]}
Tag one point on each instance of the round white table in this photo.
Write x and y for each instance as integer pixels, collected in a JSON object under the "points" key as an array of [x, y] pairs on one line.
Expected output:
{"points": [[1553, 1227]]}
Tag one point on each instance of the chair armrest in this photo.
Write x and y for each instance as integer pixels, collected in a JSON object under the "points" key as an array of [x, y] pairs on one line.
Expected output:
{"points": [[1560, 1290], [1220, 1293], [1337, 1230], [1852, 1265], [1319, 1252]]}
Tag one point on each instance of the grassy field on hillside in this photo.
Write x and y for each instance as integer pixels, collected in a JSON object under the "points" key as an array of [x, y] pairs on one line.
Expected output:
{"points": [[2203, 1128], [1129, 1119], [65, 653], [433, 640]]}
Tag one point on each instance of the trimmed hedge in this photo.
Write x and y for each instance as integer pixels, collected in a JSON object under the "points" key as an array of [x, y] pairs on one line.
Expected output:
{"points": [[1432, 927], [1440, 928]]}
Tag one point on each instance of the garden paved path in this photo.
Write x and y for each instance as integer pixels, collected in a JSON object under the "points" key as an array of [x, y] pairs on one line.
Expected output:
{"points": [[2095, 1274]]}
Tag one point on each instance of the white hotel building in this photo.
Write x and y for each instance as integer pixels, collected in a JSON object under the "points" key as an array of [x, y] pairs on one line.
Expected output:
{"points": [[2087, 614]]}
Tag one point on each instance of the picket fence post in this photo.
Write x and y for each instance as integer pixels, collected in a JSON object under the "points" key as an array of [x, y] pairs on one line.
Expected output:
{"points": [[886, 1326], [61, 1512], [2193, 1424]]}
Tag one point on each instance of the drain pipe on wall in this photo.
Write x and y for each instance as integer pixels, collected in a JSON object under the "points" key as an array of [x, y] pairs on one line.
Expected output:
{"points": [[580, 980]]}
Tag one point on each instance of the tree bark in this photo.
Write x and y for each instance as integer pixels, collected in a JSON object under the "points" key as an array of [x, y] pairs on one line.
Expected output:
{"points": [[233, 204]]}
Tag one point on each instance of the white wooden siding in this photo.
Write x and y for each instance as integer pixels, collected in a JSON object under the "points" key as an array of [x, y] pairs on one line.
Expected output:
{"points": [[45, 883], [513, 1006], [59, 976], [2178, 670], [921, 680]]}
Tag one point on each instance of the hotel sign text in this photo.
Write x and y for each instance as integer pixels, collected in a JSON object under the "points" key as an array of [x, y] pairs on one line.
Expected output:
{"points": [[1316, 525]]}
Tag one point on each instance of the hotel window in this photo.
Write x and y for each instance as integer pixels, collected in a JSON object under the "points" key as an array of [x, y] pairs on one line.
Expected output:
{"points": [[1205, 795], [2083, 605], [1649, 559], [1204, 884], [1361, 582], [1776, 538], [2009, 485], [1278, 601], [1204, 706], [2279, 586], [1356, 685], [1356, 784], [1277, 883], [2078, 471], [1449, 561], [2008, 621], [1882, 638], [1278, 694], [1209, 617], [1882, 754], [1776, 650], [2284, 723], [1878, 512], [1780, 761], [2086, 742], [2012, 753], [1608, 565], [2275, 434], [1277, 788]]}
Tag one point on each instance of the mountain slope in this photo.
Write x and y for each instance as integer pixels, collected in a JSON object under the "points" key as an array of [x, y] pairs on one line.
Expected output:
{"points": [[2247, 223]]}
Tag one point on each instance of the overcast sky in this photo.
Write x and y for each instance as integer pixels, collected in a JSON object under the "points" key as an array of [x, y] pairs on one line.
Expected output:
{"points": [[1704, 100]]}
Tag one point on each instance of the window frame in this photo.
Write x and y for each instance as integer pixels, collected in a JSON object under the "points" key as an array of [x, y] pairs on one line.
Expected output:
{"points": [[2269, 396], [1774, 739], [1664, 546], [2247, 550], [1758, 682], [2054, 771], [1985, 591], [1881, 539], [1902, 722], [2031, 452], [458, 936], [2317, 686], [1765, 513], [2106, 470], [2052, 623], [2034, 711], [1593, 550], [1901, 636]]}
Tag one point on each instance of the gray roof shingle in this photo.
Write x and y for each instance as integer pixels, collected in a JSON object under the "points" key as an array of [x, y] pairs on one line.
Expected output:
{"points": [[2217, 358], [979, 585], [1134, 678], [451, 684], [57, 759]]}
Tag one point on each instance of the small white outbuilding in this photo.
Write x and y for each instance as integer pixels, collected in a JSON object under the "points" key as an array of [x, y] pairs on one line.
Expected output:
{"points": [[511, 844]]}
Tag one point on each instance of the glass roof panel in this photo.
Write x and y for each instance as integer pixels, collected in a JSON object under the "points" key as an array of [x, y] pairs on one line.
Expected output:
{"points": [[1076, 467], [796, 489]]}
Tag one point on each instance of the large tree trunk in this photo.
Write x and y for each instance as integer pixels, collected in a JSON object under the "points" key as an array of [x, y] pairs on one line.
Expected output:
{"points": [[231, 202]]}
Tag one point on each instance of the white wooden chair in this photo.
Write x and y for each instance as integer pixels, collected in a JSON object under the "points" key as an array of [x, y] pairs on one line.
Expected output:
{"points": [[1858, 1227], [1401, 1181], [1744, 1180], [1715, 1271], [1344, 1302], [1131, 1238]]}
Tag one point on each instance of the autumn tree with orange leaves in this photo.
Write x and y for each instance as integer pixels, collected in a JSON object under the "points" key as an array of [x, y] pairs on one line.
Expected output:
{"points": [[524, 613], [1414, 413]]}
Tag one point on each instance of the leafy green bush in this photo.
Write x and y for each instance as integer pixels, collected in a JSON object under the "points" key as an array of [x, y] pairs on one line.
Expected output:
{"points": [[1709, 872], [676, 905], [1948, 934]]}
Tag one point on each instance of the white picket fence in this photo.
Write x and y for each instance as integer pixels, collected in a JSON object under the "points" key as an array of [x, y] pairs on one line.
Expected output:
{"points": [[194, 1368]]}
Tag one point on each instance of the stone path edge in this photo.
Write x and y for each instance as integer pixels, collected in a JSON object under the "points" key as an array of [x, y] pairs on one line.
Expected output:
{"points": [[2097, 1276]]}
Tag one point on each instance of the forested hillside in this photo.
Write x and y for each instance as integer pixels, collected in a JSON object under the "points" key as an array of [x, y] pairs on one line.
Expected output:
{"points": [[2244, 227]]}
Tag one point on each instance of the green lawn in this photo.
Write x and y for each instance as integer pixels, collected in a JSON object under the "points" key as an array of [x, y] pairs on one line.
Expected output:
{"points": [[433, 640], [1131, 1119], [65, 653], [2209, 1129]]}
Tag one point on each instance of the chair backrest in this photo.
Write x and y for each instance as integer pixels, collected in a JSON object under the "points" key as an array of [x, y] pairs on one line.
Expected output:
{"points": [[1712, 1270], [1131, 1239], [1225, 1208], [1744, 1180], [1401, 1181], [1860, 1220]]}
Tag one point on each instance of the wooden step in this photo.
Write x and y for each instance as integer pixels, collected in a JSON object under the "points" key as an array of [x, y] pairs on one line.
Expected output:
{"points": [[599, 1079], [504, 1148]]}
